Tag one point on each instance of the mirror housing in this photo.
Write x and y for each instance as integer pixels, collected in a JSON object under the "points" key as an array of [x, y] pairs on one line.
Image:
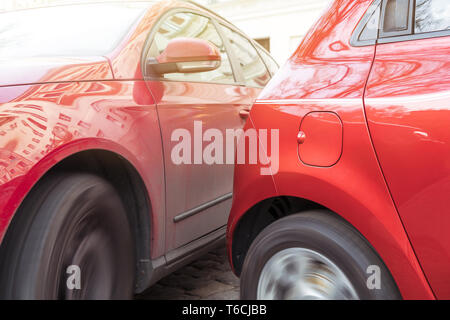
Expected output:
{"points": [[185, 55]]}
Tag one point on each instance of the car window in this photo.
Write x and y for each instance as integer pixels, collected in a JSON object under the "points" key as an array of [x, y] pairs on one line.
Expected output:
{"points": [[253, 68], [432, 15], [270, 62], [396, 17], [370, 31], [60, 31], [192, 26]]}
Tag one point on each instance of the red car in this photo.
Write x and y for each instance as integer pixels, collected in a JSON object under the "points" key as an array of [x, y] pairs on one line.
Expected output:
{"points": [[91, 204], [359, 207]]}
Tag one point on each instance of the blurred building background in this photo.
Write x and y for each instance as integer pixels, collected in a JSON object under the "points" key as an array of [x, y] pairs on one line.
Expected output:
{"points": [[278, 25]]}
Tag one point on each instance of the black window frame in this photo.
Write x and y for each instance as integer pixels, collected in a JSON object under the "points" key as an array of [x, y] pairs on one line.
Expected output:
{"points": [[395, 36]]}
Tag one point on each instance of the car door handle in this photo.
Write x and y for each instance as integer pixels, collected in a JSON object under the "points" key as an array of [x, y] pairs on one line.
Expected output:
{"points": [[244, 113]]}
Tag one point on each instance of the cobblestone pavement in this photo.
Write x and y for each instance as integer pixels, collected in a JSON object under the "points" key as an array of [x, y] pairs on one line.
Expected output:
{"points": [[208, 278]]}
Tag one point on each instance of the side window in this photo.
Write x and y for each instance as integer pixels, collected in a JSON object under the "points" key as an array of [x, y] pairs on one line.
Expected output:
{"points": [[396, 18], [270, 63], [432, 15], [403, 20], [366, 33], [370, 31], [253, 68], [192, 26]]}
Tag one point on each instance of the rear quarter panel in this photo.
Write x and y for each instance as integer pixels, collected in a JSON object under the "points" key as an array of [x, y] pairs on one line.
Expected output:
{"points": [[408, 111], [327, 74]]}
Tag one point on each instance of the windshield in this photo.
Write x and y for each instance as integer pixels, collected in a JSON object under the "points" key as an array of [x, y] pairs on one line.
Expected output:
{"points": [[71, 30]]}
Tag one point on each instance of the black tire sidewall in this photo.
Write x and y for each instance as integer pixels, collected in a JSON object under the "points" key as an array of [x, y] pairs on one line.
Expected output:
{"points": [[319, 231], [68, 199]]}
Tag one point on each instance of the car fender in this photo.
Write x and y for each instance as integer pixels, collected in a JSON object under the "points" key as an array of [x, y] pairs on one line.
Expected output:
{"points": [[16, 190]]}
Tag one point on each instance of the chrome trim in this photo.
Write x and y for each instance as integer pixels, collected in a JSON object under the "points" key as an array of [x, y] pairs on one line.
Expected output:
{"points": [[201, 208]]}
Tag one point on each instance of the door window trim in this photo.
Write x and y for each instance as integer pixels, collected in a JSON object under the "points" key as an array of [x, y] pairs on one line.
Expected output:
{"points": [[235, 59], [391, 37], [355, 38], [260, 49], [409, 28]]}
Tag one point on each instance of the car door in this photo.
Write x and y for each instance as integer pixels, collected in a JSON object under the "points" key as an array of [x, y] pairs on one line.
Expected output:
{"points": [[408, 111], [199, 190]]}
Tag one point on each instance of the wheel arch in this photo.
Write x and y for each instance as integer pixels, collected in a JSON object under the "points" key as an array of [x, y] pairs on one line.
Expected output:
{"points": [[393, 249], [258, 217], [117, 166]]}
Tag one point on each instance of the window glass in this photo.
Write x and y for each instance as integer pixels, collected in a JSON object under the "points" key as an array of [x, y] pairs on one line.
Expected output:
{"points": [[432, 15], [253, 68], [370, 31], [189, 25], [396, 16], [60, 30], [270, 63]]}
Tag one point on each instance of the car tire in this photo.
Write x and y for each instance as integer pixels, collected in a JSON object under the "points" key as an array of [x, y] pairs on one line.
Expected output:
{"points": [[70, 239], [314, 255]]}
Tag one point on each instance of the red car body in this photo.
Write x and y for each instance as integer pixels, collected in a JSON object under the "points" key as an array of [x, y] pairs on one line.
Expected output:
{"points": [[61, 112], [377, 114]]}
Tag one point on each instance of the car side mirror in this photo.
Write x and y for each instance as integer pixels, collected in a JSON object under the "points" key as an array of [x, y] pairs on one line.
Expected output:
{"points": [[185, 55]]}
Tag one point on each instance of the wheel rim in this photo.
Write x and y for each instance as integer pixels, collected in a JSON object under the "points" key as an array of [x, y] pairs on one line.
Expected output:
{"points": [[303, 274]]}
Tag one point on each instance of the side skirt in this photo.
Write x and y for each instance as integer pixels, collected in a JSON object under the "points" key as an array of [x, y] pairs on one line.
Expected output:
{"points": [[158, 268]]}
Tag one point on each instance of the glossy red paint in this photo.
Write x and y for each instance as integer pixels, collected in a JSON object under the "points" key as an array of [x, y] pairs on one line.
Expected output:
{"points": [[54, 107], [320, 139], [45, 123], [407, 118], [408, 111]]}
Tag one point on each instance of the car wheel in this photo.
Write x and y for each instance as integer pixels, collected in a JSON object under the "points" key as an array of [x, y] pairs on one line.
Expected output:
{"points": [[314, 255], [71, 239]]}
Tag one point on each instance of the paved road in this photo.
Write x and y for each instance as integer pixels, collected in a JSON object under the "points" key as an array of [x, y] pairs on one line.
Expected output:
{"points": [[207, 278]]}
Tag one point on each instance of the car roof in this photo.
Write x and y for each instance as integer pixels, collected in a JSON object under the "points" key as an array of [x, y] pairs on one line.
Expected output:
{"points": [[190, 4]]}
